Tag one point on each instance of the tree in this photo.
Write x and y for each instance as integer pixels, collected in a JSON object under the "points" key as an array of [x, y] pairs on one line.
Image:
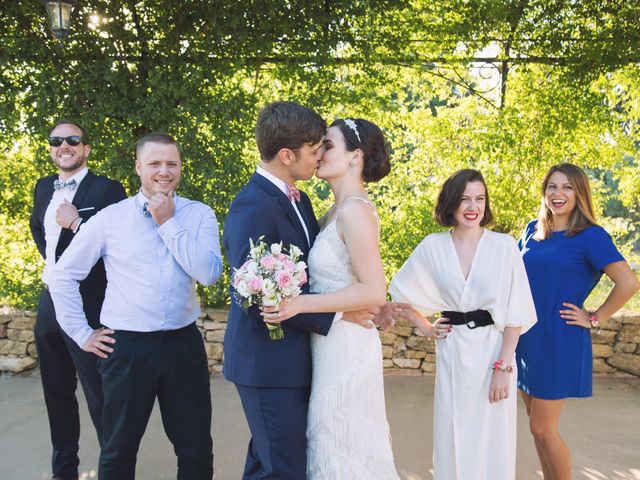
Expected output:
{"points": [[508, 86]]}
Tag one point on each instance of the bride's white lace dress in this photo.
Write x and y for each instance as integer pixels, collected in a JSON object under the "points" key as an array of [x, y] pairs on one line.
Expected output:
{"points": [[347, 429]]}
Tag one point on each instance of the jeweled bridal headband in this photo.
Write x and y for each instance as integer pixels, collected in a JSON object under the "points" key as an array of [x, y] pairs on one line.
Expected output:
{"points": [[352, 125]]}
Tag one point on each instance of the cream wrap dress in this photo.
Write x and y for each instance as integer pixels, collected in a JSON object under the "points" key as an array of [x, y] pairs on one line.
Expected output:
{"points": [[473, 439]]}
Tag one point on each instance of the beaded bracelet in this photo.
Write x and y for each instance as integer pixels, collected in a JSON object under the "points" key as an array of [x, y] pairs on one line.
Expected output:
{"points": [[595, 322], [500, 365]]}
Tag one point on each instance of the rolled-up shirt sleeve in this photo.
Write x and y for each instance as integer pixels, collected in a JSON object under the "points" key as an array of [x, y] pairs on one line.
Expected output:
{"points": [[197, 252], [74, 265]]}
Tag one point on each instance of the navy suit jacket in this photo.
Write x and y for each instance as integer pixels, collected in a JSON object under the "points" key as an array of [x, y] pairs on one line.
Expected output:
{"points": [[250, 357], [94, 193]]}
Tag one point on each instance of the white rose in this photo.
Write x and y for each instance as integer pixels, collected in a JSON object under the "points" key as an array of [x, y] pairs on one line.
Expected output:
{"points": [[243, 289], [248, 276], [252, 268], [270, 301], [291, 291], [276, 248], [268, 287]]}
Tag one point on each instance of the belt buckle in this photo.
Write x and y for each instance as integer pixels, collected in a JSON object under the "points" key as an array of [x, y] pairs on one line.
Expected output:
{"points": [[471, 324]]}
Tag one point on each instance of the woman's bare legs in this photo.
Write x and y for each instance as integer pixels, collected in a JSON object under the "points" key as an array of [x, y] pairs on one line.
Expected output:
{"points": [[544, 416]]}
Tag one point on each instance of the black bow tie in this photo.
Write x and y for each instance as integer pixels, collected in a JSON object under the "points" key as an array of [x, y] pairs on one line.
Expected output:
{"points": [[60, 184]]}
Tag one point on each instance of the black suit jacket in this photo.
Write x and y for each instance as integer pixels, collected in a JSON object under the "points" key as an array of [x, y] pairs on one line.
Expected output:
{"points": [[94, 193]]}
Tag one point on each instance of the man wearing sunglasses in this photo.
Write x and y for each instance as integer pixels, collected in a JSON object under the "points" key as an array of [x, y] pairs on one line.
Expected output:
{"points": [[63, 202]]}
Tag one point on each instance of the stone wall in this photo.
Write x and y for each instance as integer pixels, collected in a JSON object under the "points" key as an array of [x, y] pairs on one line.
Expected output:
{"points": [[17, 342], [616, 349]]}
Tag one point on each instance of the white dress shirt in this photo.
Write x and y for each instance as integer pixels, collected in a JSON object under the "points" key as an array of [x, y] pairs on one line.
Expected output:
{"points": [[151, 269], [51, 228], [282, 185]]}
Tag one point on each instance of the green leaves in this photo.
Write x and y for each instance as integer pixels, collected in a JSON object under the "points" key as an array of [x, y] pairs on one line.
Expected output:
{"points": [[201, 70]]}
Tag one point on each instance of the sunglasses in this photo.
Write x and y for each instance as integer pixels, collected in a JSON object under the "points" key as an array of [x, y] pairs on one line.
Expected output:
{"points": [[71, 140]]}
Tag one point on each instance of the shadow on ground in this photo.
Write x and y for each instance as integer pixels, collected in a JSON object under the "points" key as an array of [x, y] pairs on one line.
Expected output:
{"points": [[601, 432]]}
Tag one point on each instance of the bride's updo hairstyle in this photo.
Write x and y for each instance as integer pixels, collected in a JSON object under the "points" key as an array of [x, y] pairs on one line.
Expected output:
{"points": [[362, 134]]}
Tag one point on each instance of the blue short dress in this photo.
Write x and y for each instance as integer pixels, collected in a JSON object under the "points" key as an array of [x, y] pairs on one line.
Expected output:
{"points": [[554, 359]]}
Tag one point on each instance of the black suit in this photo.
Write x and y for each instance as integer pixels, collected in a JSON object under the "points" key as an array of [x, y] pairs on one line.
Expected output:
{"points": [[60, 358]]}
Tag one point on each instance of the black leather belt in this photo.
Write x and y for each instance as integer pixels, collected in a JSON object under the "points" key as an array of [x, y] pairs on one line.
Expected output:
{"points": [[475, 319], [155, 333]]}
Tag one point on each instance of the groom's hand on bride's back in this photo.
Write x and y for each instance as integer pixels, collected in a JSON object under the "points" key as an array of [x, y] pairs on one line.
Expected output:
{"points": [[364, 318]]}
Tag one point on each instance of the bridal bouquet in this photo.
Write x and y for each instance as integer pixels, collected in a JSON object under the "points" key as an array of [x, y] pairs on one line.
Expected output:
{"points": [[269, 276]]}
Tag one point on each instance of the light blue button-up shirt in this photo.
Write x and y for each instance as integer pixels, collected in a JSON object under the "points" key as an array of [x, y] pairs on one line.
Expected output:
{"points": [[151, 269]]}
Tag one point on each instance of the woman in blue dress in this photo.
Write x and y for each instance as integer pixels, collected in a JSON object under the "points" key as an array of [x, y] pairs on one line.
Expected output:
{"points": [[565, 253]]}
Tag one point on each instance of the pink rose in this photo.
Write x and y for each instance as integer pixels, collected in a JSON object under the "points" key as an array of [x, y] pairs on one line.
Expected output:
{"points": [[268, 262], [255, 284], [284, 279], [289, 265], [303, 277]]}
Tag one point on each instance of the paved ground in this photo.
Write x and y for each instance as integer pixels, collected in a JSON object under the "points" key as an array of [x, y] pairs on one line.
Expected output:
{"points": [[603, 433]]}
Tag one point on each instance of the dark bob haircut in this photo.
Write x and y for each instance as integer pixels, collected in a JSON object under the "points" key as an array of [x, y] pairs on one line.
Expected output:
{"points": [[450, 197]]}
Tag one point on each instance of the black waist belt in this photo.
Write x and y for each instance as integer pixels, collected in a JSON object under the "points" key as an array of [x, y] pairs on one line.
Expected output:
{"points": [[156, 333], [475, 319]]}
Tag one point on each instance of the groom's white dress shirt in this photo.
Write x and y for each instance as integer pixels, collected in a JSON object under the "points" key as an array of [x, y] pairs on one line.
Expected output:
{"points": [[282, 185], [151, 269]]}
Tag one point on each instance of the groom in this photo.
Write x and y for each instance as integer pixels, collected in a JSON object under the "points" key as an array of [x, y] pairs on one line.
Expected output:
{"points": [[273, 376]]}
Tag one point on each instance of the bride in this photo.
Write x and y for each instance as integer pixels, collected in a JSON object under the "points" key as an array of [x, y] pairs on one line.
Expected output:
{"points": [[347, 430]]}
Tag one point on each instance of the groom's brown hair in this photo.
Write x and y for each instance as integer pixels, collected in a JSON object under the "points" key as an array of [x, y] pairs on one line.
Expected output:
{"points": [[287, 125]]}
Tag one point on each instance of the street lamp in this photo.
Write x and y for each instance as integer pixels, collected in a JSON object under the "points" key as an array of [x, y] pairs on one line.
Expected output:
{"points": [[59, 17]]}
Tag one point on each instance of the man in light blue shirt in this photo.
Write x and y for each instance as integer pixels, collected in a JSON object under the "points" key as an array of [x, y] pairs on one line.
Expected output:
{"points": [[155, 246]]}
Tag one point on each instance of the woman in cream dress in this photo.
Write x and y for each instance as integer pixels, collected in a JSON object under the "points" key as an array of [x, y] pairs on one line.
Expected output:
{"points": [[466, 270]]}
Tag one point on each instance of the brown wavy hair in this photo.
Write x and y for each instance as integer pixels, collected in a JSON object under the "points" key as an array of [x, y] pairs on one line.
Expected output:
{"points": [[582, 216]]}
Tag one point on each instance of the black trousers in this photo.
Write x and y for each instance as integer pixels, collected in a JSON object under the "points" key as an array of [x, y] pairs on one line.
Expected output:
{"points": [[61, 363], [171, 366]]}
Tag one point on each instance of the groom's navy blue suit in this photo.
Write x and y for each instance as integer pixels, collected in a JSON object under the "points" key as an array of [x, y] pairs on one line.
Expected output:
{"points": [[272, 376]]}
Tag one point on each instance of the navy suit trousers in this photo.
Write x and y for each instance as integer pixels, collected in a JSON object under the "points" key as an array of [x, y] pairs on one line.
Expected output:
{"points": [[277, 419]]}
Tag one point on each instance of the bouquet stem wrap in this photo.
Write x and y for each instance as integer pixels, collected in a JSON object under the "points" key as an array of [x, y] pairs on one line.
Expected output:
{"points": [[275, 331]]}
